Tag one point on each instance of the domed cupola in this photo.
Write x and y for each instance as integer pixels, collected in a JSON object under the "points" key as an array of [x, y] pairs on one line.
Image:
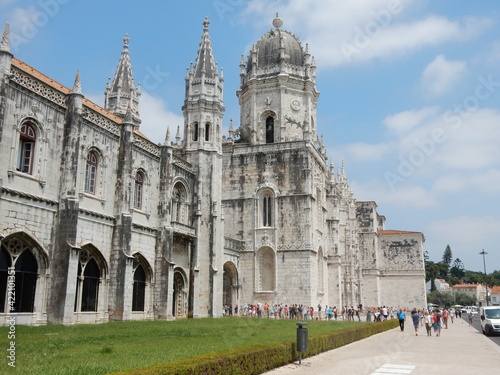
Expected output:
{"points": [[278, 51], [278, 46]]}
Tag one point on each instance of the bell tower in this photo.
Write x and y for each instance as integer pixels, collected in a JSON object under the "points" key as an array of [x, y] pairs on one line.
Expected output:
{"points": [[278, 94]]}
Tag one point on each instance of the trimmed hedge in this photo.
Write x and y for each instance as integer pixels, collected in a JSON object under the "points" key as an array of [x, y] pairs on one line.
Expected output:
{"points": [[261, 358]]}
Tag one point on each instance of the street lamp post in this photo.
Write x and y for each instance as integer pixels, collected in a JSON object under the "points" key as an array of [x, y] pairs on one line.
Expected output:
{"points": [[483, 253]]}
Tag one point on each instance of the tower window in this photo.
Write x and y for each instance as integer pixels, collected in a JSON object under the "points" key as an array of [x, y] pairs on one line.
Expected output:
{"points": [[27, 142], [207, 132], [270, 129], [195, 131], [266, 211], [91, 172], [180, 206], [266, 202], [138, 190]]}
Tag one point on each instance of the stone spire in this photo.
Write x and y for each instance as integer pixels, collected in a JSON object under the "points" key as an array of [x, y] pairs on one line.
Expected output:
{"points": [[203, 105], [5, 43], [77, 86], [122, 93], [5, 54], [205, 64]]}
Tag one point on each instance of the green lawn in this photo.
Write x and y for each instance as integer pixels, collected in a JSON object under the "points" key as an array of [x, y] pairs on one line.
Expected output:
{"points": [[103, 348]]}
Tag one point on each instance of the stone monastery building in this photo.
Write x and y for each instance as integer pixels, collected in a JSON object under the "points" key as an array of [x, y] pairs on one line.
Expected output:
{"points": [[98, 223]]}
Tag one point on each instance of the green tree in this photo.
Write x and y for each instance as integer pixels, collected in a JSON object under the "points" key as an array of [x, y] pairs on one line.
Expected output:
{"points": [[441, 299], [447, 256], [495, 278], [443, 269], [431, 273], [457, 269], [464, 299]]}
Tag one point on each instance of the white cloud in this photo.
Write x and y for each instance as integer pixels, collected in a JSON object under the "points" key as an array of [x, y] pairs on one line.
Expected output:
{"points": [[440, 76], [486, 182], [404, 121], [156, 117], [6, 2], [467, 236], [342, 32], [365, 151], [472, 144], [405, 196]]}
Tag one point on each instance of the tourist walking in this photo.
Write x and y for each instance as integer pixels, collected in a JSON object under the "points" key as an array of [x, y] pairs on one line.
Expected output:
{"points": [[436, 319], [471, 319], [428, 323], [416, 320], [401, 318]]}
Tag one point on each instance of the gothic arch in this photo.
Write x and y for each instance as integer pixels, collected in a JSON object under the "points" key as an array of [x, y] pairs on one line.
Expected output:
{"points": [[142, 276], [90, 292], [269, 122], [180, 294], [180, 202], [28, 146], [265, 270], [266, 207], [21, 256], [139, 193], [87, 169], [230, 284]]}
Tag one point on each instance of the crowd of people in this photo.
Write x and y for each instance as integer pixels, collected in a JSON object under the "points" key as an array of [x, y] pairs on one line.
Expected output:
{"points": [[434, 320], [294, 311]]}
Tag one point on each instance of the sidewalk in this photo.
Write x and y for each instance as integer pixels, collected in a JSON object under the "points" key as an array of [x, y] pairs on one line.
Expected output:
{"points": [[460, 349]]}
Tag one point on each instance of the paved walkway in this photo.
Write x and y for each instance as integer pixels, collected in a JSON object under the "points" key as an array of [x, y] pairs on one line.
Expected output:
{"points": [[460, 349]]}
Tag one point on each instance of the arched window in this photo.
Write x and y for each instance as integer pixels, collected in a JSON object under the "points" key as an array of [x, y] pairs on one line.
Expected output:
{"points": [[138, 189], [266, 270], [139, 290], [269, 129], [91, 172], [17, 259], [87, 283], [27, 141], [207, 132], [180, 205], [266, 203], [195, 131]]}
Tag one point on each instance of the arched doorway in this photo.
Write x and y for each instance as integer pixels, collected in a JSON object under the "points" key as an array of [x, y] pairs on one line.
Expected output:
{"points": [[179, 300], [230, 284], [20, 263]]}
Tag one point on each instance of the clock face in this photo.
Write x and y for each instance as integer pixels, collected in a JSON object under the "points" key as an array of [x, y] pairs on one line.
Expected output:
{"points": [[295, 104]]}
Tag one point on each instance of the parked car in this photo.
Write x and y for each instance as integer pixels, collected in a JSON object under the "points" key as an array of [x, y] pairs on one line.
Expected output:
{"points": [[469, 309], [490, 319]]}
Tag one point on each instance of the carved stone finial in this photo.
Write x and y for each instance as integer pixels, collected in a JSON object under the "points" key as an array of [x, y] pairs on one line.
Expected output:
{"points": [[206, 22], [126, 41], [277, 22]]}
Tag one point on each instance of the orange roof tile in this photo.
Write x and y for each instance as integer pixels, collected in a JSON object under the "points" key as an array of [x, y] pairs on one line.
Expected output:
{"points": [[21, 65], [495, 290]]}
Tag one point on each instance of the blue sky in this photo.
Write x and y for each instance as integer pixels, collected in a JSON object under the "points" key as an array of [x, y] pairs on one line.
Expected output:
{"points": [[410, 90]]}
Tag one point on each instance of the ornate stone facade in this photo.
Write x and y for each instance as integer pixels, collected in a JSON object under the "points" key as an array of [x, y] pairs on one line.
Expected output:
{"points": [[98, 223]]}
